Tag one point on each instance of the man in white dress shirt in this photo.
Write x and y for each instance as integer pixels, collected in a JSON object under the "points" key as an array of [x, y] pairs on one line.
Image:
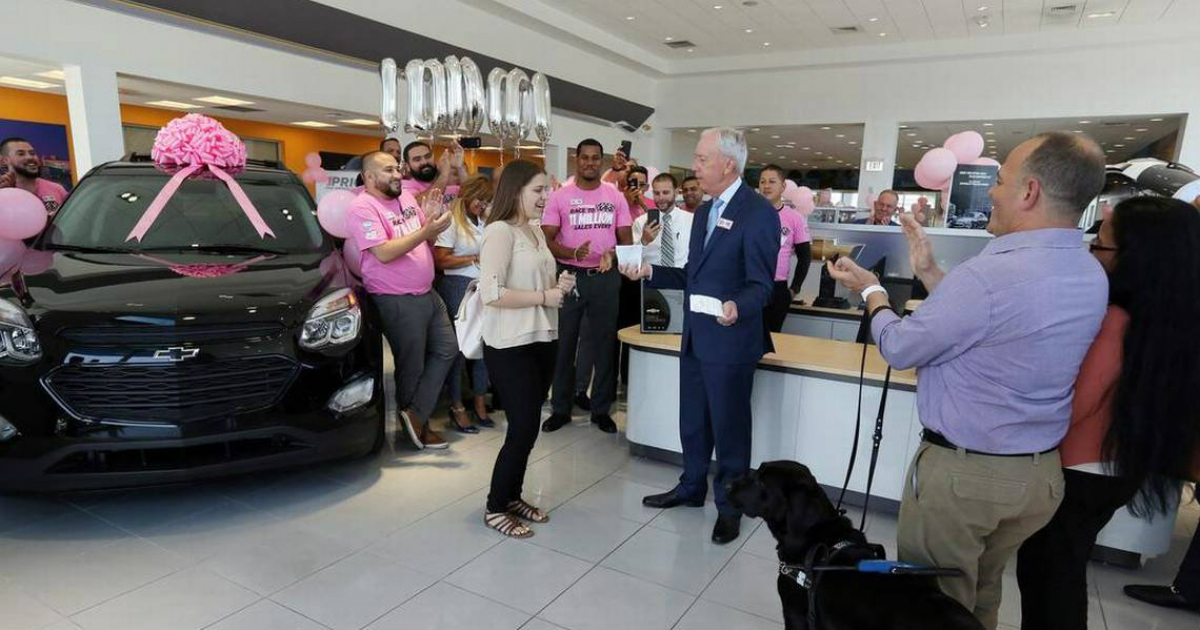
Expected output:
{"points": [[665, 233]]}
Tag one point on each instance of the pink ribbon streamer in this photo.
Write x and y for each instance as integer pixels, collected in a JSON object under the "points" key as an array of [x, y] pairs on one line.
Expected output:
{"points": [[160, 201]]}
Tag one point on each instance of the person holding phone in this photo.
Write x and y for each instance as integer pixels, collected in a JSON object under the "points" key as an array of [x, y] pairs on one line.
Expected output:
{"points": [[619, 173], [636, 186], [395, 235], [663, 231], [793, 238]]}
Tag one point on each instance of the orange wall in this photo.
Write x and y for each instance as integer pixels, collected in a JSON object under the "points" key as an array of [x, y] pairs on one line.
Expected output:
{"points": [[38, 107]]}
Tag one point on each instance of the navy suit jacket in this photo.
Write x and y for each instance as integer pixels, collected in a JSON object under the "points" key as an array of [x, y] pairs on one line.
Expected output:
{"points": [[737, 265]]}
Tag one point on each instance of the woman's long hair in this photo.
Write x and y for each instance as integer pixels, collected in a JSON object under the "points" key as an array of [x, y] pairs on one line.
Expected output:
{"points": [[507, 202], [478, 188], [1154, 437]]}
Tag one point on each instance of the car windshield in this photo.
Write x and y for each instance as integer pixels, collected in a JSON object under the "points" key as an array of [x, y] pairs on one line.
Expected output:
{"points": [[201, 215]]}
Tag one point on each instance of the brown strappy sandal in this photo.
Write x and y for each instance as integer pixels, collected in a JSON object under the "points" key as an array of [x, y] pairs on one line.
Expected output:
{"points": [[528, 512], [507, 525]]}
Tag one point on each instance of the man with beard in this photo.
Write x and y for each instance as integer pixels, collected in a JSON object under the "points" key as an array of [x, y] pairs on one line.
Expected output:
{"points": [[666, 239], [21, 167], [424, 173], [693, 195], [395, 235], [583, 223]]}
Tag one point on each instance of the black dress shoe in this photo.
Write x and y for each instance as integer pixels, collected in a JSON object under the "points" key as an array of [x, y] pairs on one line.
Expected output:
{"points": [[669, 500], [727, 529], [583, 402], [555, 422], [1165, 596], [604, 423]]}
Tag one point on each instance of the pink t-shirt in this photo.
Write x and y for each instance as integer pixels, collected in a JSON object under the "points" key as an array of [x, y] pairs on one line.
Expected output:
{"points": [[415, 187], [51, 194], [370, 222], [794, 230], [587, 215]]}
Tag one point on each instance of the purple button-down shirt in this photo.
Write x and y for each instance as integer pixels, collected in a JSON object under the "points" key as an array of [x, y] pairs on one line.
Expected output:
{"points": [[998, 344]]}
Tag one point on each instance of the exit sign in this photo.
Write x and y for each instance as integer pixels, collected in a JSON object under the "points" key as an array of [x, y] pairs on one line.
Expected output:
{"points": [[874, 166]]}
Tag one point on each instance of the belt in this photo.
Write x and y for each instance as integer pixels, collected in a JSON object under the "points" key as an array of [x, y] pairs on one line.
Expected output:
{"points": [[587, 271], [937, 439]]}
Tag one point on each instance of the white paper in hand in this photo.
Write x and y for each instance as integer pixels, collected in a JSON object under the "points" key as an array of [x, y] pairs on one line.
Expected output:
{"points": [[629, 256], [707, 305]]}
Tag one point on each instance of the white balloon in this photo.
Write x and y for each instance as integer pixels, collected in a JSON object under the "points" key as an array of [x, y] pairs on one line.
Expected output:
{"points": [[387, 102], [414, 76], [474, 97], [435, 96], [454, 93], [517, 102], [495, 102], [541, 107]]}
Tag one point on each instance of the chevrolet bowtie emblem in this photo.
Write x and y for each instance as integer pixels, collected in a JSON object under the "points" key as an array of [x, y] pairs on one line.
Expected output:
{"points": [[176, 355]]}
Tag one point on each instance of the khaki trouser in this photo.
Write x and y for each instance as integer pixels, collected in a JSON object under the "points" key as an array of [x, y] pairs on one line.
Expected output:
{"points": [[972, 512]]}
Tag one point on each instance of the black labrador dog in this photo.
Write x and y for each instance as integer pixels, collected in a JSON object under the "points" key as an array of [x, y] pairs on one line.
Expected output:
{"points": [[801, 517]]}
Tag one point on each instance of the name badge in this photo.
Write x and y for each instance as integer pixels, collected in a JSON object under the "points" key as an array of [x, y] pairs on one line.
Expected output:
{"points": [[724, 224]]}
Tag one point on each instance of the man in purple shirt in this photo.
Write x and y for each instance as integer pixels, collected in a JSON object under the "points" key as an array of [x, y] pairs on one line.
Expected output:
{"points": [[997, 347]]}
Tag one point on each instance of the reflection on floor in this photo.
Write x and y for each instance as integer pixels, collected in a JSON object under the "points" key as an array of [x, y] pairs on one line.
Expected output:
{"points": [[398, 542]]}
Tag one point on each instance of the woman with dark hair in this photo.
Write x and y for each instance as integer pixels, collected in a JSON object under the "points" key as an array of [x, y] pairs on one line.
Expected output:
{"points": [[520, 332], [1135, 428]]}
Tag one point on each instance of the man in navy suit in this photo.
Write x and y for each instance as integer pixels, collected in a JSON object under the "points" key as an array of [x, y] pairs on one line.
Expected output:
{"points": [[732, 255]]}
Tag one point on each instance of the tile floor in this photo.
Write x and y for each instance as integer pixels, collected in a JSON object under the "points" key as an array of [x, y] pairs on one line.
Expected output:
{"points": [[397, 542]]}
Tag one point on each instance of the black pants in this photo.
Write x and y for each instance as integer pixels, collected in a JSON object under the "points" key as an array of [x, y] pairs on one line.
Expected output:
{"points": [[1187, 580], [522, 377], [598, 297], [776, 310], [1052, 564]]}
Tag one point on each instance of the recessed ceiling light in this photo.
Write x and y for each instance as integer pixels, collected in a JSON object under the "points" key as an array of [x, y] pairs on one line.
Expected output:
{"points": [[26, 83], [852, 142], [774, 137], [981, 8], [1078, 131], [1156, 120], [1141, 129], [1085, 122], [312, 123], [223, 100], [825, 128], [766, 43], [753, 148], [1119, 146], [916, 146], [769, 153], [804, 148], [749, 30], [883, 34], [912, 135], [1102, 14], [755, 129], [670, 38], [174, 104], [718, 7], [691, 50], [1130, 138], [990, 133], [629, 17], [873, 20], [691, 131], [1110, 151], [988, 125], [57, 75], [839, 135], [360, 121]]}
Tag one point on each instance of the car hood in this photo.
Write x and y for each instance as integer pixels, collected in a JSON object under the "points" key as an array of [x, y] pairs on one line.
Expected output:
{"points": [[176, 289]]}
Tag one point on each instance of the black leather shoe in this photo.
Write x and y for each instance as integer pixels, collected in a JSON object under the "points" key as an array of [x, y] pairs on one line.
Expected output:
{"points": [[669, 500], [727, 529], [605, 423], [583, 402], [556, 422], [1165, 596]]}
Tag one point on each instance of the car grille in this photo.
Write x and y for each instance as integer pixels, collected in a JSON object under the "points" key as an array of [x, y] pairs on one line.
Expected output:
{"points": [[144, 335], [173, 393]]}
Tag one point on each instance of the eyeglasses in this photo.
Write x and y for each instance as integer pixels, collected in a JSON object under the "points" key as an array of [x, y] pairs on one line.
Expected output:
{"points": [[1095, 246]]}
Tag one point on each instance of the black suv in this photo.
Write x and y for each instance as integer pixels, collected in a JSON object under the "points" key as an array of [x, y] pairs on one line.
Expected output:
{"points": [[202, 350]]}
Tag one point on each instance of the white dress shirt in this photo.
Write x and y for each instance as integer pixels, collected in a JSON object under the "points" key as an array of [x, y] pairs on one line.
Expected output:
{"points": [[681, 226]]}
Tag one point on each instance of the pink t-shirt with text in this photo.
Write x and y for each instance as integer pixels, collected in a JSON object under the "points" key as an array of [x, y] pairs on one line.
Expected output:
{"points": [[371, 222], [415, 187], [794, 230], [51, 194], [587, 215]]}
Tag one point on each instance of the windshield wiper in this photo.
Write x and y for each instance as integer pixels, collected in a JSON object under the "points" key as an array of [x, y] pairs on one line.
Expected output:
{"points": [[218, 249], [86, 249]]}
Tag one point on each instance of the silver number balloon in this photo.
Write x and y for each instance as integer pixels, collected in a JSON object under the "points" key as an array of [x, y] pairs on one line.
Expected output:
{"points": [[495, 102], [414, 75], [516, 93], [435, 95], [541, 107], [387, 102], [455, 93], [474, 97]]}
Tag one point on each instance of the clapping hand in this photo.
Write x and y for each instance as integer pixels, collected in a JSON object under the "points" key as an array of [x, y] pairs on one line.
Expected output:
{"points": [[920, 251], [850, 275]]}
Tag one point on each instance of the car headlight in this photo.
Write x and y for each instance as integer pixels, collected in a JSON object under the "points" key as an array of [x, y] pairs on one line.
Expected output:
{"points": [[18, 341], [334, 320]]}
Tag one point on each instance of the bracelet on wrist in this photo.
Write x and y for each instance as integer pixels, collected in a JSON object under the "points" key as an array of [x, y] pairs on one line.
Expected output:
{"points": [[875, 288]]}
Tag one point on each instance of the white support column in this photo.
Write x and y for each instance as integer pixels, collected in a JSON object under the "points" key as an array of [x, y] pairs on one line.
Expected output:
{"points": [[880, 137], [95, 111]]}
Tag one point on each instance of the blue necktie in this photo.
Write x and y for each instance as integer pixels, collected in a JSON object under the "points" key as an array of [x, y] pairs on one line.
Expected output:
{"points": [[714, 213]]}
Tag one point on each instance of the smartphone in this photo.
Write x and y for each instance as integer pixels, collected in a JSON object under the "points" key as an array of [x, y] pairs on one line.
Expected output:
{"points": [[470, 143], [653, 216], [627, 148]]}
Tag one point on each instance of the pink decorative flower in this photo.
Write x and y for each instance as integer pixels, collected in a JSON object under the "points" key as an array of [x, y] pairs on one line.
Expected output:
{"points": [[196, 139], [206, 271]]}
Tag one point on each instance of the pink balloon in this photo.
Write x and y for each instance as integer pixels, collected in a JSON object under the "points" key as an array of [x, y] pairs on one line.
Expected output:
{"points": [[789, 185], [312, 160], [801, 198], [332, 211], [966, 146], [353, 256], [307, 177], [11, 253], [315, 176], [935, 168], [22, 214], [984, 161], [36, 261]]}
